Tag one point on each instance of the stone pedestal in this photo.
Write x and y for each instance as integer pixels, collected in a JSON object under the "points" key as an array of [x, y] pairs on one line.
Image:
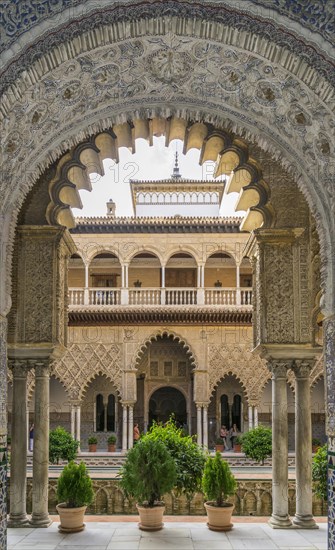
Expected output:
{"points": [[40, 517], [303, 446], [18, 471], [279, 518]]}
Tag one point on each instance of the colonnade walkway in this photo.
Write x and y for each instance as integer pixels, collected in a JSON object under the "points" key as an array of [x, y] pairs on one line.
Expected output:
{"points": [[184, 533]]}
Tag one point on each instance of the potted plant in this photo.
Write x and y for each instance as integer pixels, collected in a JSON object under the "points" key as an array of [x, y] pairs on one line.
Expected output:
{"points": [[219, 446], [92, 444], [189, 458], [62, 446], [74, 494], [257, 443], [149, 471], [238, 444], [111, 443], [316, 444], [218, 483]]}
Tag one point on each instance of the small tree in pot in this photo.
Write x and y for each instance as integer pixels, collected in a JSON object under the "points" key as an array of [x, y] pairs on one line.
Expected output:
{"points": [[218, 483], [257, 443], [62, 446], [111, 441], [74, 493], [92, 444], [149, 472]]}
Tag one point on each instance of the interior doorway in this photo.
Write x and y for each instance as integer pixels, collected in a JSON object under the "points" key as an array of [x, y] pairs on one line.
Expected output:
{"points": [[165, 402]]}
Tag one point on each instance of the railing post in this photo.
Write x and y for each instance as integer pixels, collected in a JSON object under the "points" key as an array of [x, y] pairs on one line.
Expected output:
{"points": [[200, 296], [86, 296], [162, 292], [238, 296]]}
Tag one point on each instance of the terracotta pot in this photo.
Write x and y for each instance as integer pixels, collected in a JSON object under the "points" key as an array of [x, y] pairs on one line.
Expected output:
{"points": [[151, 519], [237, 448], [219, 448], [315, 448], [111, 447], [71, 519], [219, 517], [92, 448]]}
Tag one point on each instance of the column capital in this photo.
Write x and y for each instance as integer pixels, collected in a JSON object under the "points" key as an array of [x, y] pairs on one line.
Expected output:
{"points": [[42, 367], [302, 367], [279, 368], [19, 368]]}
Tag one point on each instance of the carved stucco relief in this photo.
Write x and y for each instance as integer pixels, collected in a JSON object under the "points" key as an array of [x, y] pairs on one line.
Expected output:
{"points": [[83, 362], [238, 360]]}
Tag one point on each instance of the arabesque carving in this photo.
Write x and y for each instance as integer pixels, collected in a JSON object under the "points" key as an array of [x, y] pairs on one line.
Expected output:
{"points": [[82, 362]]}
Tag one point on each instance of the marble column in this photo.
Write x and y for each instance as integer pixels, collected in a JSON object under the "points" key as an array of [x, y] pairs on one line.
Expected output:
{"points": [[73, 419], [205, 426], [124, 427], [303, 446], [329, 358], [18, 478], [78, 424], [279, 518], [199, 425], [250, 423], [255, 417], [40, 517], [3, 432], [130, 426]]}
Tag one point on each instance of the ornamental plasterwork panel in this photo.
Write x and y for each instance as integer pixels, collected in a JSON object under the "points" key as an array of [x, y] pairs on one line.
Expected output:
{"points": [[55, 109], [82, 362], [237, 360]]}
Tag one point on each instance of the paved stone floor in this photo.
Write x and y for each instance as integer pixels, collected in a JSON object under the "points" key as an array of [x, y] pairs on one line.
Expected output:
{"points": [[188, 534]]}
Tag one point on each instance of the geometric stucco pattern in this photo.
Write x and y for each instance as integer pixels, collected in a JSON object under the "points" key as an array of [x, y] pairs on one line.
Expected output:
{"points": [[237, 359], [81, 363], [186, 73]]}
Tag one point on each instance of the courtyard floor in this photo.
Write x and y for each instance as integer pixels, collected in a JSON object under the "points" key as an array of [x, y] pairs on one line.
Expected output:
{"points": [[186, 533]]}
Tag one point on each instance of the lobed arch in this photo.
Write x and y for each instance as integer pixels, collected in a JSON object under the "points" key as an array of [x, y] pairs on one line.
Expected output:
{"points": [[160, 334], [291, 143], [235, 374], [84, 387]]}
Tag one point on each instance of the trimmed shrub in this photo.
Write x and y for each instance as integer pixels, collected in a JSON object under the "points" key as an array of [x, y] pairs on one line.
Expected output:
{"points": [[320, 472], [218, 481], [74, 486], [62, 446], [257, 443]]}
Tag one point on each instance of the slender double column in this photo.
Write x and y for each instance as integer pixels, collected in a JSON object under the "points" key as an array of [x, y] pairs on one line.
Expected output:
{"points": [[303, 446], [127, 426], [202, 424], [279, 518], [18, 478], [40, 517]]}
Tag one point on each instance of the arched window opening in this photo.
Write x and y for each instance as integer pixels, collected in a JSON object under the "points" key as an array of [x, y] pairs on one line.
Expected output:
{"points": [[236, 411], [111, 413], [225, 420], [100, 417]]}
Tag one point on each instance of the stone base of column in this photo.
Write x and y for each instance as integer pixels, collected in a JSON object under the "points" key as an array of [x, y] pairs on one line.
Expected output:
{"points": [[280, 522], [40, 520], [304, 522], [18, 520]]}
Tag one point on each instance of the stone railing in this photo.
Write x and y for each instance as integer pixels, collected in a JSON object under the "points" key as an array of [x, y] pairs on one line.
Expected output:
{"points": [[216, 296]]}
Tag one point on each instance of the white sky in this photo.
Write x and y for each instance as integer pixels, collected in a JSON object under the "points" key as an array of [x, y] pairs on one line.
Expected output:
{"points": [[147, 163]]}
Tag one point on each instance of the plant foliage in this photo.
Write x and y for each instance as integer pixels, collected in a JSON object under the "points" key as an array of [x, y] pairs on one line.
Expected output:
{"points": [[188, 456], [112, 439], [257, 443], [319, 472], [62, 446], [148, 472], [92, 440], [218, 482], [74, 486]]}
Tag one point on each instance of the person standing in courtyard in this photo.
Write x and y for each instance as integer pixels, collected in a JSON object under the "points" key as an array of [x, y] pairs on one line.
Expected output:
{"points": [[137, 433]]}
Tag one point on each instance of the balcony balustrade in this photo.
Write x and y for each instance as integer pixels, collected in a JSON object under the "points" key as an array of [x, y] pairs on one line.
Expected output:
{"points": [[108, 297]]}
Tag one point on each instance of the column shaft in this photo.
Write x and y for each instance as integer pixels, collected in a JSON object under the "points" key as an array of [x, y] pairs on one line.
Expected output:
{"points": [[40, 517], [303, 447], [18, 478], [279, 518], [250, 417], [205, 426], [255, 417], [124, 427], [199, 425], [78, 424], [73, 416], [130, 426]]}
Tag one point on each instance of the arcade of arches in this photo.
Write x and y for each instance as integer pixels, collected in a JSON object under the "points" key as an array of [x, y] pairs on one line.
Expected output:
{"points": [[103, 323]]}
